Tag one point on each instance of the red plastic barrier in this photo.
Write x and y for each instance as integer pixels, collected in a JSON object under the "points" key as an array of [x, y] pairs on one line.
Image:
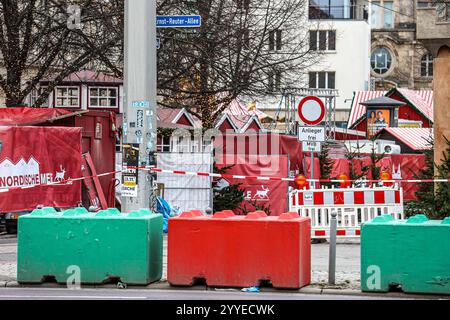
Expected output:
{"points": [[240, 251]]}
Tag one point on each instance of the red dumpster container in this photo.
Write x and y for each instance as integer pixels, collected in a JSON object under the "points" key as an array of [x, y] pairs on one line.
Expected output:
{"points": [[240, 251], [99, 140]]}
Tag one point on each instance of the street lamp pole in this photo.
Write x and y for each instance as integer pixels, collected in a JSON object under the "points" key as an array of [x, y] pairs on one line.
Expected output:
{"points": [[140, 74]]}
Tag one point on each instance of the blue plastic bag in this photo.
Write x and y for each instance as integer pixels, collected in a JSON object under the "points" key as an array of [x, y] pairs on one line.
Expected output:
{"points": [[163, 208]]}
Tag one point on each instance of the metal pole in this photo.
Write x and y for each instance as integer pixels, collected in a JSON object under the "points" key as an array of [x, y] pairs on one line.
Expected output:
{"points": [[140, 92], [313, 184], [332, 253]]}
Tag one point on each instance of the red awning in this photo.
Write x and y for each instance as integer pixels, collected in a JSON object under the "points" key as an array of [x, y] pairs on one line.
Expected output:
{"points": [[32, 116]]}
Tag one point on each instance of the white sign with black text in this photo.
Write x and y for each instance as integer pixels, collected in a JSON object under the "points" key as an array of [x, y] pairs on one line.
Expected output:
{"points": [[311, 134], [308, 146]]}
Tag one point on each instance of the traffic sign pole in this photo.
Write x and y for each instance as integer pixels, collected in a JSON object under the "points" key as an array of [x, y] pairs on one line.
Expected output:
{"points": [[311, 111], [312, 171]]}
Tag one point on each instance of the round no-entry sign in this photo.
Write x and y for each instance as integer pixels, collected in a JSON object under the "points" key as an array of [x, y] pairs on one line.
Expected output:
{"points": [[311, 110]]}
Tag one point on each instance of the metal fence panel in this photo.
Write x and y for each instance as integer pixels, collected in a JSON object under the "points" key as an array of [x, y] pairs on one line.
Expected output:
{"points": [[186, 192]]}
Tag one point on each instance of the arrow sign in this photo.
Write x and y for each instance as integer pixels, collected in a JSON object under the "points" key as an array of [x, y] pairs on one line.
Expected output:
{"points": [[178, 21]]}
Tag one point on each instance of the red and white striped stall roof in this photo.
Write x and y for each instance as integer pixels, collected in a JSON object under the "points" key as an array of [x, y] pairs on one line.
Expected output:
{"points": [[358, 110], [421, 99], [415, 138], [238, 109]]}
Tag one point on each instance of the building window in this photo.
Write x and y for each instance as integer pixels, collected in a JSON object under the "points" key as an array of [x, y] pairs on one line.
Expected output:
{"points": [[35, 94], [382, 14], [322, 40], [181, 144], [322, 80], [423, 4], [243, 4], [67, 97], [443, 10], [275, 78], [331, 9], [275, 41], [165, 144], [246, 38], [426, 66], [103, 97], [381, 60]]}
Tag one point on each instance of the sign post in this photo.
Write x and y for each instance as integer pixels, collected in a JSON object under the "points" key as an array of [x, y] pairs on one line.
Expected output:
{"points": [[140, 77], [130, 177], [139, 100], [311, 111]]}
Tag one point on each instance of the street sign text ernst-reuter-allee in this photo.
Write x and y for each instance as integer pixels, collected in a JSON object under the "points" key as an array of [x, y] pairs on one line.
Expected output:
{"points": [[178, 21]]}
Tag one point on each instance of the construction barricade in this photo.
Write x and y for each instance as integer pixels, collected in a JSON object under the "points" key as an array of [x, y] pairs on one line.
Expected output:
{"points": [[239, 251], [412, 254], [91, 248], [352, 205]]}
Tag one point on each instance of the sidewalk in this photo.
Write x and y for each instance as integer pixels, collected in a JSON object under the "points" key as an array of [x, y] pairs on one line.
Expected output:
{"points": [[347, 270]]}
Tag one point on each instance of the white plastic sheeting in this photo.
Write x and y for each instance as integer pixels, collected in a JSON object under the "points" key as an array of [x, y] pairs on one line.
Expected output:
{"points": [[184, 191]]}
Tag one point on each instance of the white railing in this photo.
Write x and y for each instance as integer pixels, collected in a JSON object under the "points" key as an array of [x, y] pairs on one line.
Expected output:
{"points": [[353, 206]]}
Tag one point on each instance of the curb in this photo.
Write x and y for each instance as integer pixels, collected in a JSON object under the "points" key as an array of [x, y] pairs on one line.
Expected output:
{"points": [[311, 290], [164, 285], [344, 292], [12, 284]]}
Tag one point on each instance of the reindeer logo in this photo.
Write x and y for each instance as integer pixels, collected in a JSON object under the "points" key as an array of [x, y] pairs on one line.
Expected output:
{"points": [[60, 174], [262, 194]]}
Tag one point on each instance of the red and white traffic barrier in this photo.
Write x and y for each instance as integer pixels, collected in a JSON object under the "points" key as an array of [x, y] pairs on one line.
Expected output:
{"points": [[353, 206], [350, 196], [226, 176]]}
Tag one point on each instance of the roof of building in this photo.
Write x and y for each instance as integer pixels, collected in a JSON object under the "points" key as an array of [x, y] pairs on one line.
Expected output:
{"points": [[358, 110], [382, 101], [239, 109], [237, 113], [25, 116], [415, 138], [88, 76], [422, 100]]}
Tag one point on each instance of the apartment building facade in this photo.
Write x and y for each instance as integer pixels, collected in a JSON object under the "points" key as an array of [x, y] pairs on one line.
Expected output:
{"points": [[339, 32], [398, 58]]}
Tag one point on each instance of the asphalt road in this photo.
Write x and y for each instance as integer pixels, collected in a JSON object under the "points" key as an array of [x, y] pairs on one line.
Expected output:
{"points": [[141, 294]]}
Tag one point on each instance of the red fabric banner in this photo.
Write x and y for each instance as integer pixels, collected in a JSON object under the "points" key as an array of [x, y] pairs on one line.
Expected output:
{"points": [[340, 166], [32, 156], [261, 144], [266, 193], [29, 116], [400, 166], [404, 166]]}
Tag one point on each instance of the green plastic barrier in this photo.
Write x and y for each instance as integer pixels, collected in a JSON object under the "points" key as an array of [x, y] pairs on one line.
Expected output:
{"points": [[413, 254], [95, 247]]}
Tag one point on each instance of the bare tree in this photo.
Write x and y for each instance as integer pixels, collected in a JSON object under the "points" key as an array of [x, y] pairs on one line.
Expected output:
{"points": [[243, 47], [51, 39]]}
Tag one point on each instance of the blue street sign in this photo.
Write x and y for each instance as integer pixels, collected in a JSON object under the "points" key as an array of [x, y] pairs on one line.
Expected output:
{"points": [[141, 104], [178, 21]]}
